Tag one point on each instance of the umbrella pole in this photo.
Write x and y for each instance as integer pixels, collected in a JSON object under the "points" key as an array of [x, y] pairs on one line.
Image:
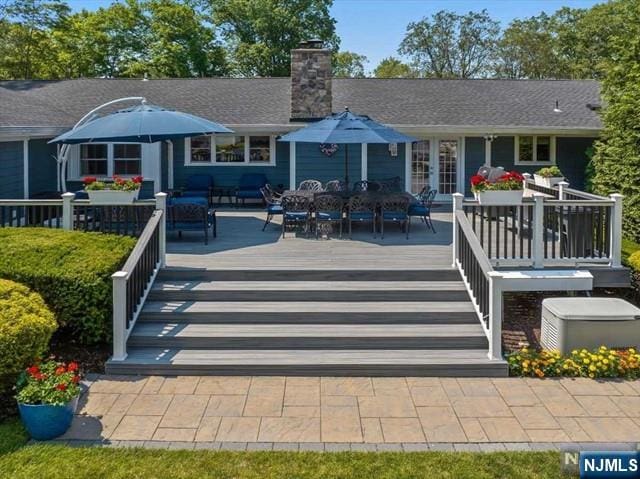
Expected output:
{"points": [[346, 165]]}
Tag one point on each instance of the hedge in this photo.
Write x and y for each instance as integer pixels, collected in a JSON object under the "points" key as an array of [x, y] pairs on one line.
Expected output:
{"points": [[26, 326], [71, 270]]}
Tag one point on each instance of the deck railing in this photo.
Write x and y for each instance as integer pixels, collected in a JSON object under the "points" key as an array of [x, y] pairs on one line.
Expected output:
{"points": [[70, 213], [567, 228], [132, 283]]}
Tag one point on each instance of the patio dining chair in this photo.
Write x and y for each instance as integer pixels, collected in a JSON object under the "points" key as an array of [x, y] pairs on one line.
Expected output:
{"points": [[361, 186], [328, 210], [391, 185], [296, 210], [310, 185], [335, 186], [274, 205], [395, 208], [422, 206], [362, 208]]}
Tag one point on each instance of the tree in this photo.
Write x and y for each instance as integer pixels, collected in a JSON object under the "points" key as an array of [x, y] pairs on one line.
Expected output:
{"points": [[617, 153], [530, 48], [25, 49], [348, 64], [391, 67], [450, 45], [260, 34]]}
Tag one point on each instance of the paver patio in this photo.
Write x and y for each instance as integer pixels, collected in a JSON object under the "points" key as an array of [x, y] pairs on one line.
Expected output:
{"points": [[262, 412]]}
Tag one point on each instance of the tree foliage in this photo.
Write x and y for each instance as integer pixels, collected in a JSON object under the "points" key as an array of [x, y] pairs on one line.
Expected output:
{"points": [[348, 64], [392, 67], [449, 45], [617, 153], [260, 34]]}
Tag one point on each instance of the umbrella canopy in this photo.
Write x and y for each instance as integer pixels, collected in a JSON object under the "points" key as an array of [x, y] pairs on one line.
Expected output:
{"points": [[346, 127], [141, 124]]}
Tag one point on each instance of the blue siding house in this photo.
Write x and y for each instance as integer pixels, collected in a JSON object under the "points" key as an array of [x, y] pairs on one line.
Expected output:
{"points": [[461, 124]]}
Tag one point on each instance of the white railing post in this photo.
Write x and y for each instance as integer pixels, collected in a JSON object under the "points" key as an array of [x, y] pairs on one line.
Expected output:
{"points": [[495, 315], [616, 230], [67, 210], [458, 198], [527, 177], [119, 315], [538, 226], [161, 204], [561, 187]]}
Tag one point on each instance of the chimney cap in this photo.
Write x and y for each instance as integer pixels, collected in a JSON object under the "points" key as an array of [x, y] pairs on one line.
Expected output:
{"points": [[312, 43]]}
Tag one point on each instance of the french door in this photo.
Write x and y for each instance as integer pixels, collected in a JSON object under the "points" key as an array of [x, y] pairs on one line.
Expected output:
{"points": [[435, 163]]}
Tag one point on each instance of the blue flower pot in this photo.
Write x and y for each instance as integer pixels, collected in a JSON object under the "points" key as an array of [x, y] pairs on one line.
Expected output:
{"points": [[44, 421]]}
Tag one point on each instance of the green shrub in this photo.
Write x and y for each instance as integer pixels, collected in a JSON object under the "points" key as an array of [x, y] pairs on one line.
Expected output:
{"points": [[549, 171], [71, 270], [634, 261], [26, 326]]}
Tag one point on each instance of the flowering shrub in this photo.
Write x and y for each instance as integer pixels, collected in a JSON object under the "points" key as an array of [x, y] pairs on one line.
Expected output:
{"points": [[51, 382], [599, 363], [91, 183], [549, 172], [510, 181]]}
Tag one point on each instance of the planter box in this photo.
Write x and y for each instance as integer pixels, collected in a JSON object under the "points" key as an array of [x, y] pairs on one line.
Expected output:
{"points": [[112, 197], [44, 422], [500, 198], [549, 182]]}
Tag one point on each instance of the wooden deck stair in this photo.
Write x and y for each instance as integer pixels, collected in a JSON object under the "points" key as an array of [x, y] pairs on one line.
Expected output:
{"points": [[308, 322]]}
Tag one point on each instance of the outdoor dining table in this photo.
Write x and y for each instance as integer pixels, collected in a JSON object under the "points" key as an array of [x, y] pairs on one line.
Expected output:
{"points": [[346, 195]]}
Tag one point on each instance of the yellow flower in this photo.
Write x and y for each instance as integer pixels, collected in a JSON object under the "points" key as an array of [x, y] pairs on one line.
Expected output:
{"points": [[586, 360], [591, 375], [592, 368], [575, 351]]}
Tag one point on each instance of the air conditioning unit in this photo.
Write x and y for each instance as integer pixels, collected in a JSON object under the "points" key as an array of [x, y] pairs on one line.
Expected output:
{"points": [[576, 323]]}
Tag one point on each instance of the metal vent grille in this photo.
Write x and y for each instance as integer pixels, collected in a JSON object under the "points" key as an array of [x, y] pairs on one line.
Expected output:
{"points": [[549, 335]]}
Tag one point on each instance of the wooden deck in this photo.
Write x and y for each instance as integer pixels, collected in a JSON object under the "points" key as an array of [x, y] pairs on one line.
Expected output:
{"points": [[241, 244]]}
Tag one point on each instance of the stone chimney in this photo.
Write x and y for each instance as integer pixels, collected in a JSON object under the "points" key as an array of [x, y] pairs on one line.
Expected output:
{"points": [[310, 81]]}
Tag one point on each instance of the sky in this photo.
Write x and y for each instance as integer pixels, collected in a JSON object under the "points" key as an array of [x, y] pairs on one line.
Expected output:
{"points": [[375, 28]]}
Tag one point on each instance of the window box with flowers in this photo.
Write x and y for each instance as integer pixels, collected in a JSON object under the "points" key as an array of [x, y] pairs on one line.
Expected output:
{"points": [[122, 191], [505, 191], [47, 395]]}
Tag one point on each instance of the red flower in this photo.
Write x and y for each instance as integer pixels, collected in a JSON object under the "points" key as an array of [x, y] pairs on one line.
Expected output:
{"points": [[60, 370], [137, 179], [33, 370], [87, 180], [39, 377], [477, 179], [61, 387], [75, 379], [73, 366]]}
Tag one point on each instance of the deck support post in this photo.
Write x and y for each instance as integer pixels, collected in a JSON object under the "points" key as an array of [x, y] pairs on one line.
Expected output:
{"points": [[292, 165], [527, 177], [408, 147], [616, 231], [67, 210], [458, 198], [562, 186], [495, 315], [119, 315], [364, 162], [538, 233], [161, 204]]}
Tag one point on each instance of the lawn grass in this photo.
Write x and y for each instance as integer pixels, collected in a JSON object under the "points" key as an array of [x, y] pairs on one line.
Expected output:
{"points": [[53, 461]]}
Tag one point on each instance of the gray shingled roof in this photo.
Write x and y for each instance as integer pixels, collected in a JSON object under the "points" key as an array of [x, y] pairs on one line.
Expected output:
{"points": [[236, 101]]}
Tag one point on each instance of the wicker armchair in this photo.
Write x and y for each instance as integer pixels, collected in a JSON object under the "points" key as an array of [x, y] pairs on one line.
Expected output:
{"points": [[395, 208], [362, 208], [328, 210], [296, 210]]}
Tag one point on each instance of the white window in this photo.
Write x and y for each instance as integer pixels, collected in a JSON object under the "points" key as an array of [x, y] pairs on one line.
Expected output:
{"points": [[535, 150], [108, 159], [230, 150]]}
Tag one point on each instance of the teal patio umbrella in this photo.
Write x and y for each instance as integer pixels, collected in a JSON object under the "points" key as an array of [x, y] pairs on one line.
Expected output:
{"points": [[344, 128]]}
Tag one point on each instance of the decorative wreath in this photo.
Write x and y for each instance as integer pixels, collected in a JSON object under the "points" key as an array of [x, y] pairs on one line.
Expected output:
{"points": [[328, 149]]}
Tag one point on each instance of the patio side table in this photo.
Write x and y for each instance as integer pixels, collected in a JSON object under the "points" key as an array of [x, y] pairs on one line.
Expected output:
{"points": [[227, 192]]}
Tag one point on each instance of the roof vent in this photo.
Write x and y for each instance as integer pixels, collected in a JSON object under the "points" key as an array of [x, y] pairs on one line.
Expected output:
{"points": [[594, 106], [557, 107]]}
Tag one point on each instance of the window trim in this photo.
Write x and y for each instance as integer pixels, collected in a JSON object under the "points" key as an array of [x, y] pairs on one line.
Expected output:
{"points": [[535, 162], [246, 162], [110, 160]]}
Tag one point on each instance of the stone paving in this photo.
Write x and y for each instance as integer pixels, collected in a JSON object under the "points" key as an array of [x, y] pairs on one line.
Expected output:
{"points": [[367, 414]]}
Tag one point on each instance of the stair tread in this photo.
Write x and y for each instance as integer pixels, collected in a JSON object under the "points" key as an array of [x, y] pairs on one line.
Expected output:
{"points": [[199, 330], [177, 307], [186, 357], [257, 286]]}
